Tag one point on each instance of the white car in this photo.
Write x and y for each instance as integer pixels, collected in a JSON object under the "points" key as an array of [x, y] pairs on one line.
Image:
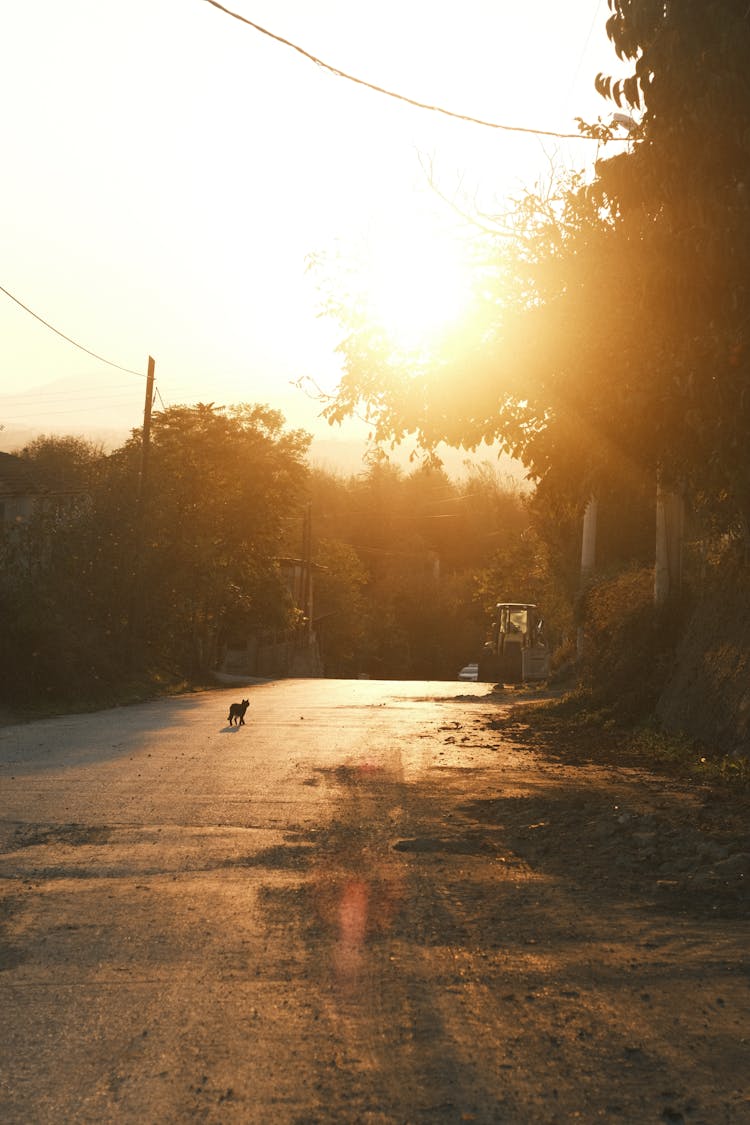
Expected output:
{"points": [[470, 672]]}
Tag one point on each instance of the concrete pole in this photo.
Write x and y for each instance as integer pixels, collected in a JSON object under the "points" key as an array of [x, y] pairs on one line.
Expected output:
{"points": [[670, 520], [588, 557], [588, 542]]}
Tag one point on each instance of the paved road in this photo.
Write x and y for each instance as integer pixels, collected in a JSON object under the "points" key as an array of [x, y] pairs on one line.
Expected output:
{"points": [[315, 918]]}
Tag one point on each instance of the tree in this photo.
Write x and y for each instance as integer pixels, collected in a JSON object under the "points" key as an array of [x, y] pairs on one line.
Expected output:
{"points": [[64, 464], [682, 197], [340, 607], [54, 641], [611, 337], [398, 596], [221, 483], [196, 562]]}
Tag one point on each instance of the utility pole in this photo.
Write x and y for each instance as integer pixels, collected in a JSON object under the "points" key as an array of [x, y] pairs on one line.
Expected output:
{"points": [[588, 560], [307, 570], [146, 437], [138, 591], [670, 521], [588, 541]]}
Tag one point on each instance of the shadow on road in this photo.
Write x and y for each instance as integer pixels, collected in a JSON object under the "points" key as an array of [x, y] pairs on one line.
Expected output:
{"points": [[80, 740], [514, 956]]}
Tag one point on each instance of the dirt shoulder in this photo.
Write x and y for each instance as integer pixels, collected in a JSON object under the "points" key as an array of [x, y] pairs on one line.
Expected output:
{"points": [[672, 830]]}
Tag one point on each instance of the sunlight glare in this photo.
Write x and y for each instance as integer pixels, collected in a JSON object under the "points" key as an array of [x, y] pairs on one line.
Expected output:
{"points": [[417, 281]]}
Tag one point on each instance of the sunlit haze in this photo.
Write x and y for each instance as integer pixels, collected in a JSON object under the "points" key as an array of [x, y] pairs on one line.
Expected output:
{"points": [[168, 172], [416, 278]]}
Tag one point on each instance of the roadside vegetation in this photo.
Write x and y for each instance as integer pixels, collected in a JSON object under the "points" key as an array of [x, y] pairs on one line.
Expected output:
{"points": [[570, 727], [111, 589], [113, 592]]}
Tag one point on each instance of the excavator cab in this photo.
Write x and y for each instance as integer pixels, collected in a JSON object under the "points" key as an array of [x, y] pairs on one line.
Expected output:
{"points": [[516, 651]]}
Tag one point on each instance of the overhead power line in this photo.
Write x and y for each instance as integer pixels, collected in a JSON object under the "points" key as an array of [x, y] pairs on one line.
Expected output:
{"points": [[75, 343], [401, 97]]}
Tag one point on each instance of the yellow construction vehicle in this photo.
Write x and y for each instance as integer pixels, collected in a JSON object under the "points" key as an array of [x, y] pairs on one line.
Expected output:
{"points": [[516, 651]]}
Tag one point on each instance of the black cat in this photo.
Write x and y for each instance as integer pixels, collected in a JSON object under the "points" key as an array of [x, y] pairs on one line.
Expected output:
{"points": [[237, 711]]}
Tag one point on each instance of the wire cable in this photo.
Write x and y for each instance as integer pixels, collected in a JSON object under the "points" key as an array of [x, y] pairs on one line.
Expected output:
{"points": [[75, 343], [402, 97]]}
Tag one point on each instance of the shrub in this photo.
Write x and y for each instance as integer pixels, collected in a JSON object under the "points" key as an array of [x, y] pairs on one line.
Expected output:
{"points": [[626, 644]]}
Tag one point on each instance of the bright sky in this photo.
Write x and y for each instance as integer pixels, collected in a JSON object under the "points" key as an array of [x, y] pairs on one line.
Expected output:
{"points": [[167, 170]]}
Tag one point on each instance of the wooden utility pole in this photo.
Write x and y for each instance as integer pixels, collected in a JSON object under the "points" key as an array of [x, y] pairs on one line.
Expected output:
{"points": [[146, 437], [307, 592], [137, 602]]}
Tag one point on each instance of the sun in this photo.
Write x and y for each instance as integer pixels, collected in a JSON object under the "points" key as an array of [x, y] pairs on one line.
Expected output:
{"points": [[416, 280]]}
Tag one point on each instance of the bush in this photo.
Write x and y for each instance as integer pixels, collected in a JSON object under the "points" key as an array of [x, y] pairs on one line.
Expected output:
{"points": [[627, 644]]}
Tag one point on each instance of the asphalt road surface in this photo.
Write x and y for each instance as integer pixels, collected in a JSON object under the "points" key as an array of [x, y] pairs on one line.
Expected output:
{"points": [[330, 915]]}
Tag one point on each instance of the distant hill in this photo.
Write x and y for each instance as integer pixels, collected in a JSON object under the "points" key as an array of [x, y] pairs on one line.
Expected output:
{"points": [[336, 455]]}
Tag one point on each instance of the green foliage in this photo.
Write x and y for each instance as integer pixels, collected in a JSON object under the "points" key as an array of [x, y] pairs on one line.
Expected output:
{"points": [[96, 588], [399, 596], [683, 210], [103, 595], [56, 639], [577, 725], [628, 646], [340, 607], [220, 484], [53, 640], [679, 754], [64, 466]]}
